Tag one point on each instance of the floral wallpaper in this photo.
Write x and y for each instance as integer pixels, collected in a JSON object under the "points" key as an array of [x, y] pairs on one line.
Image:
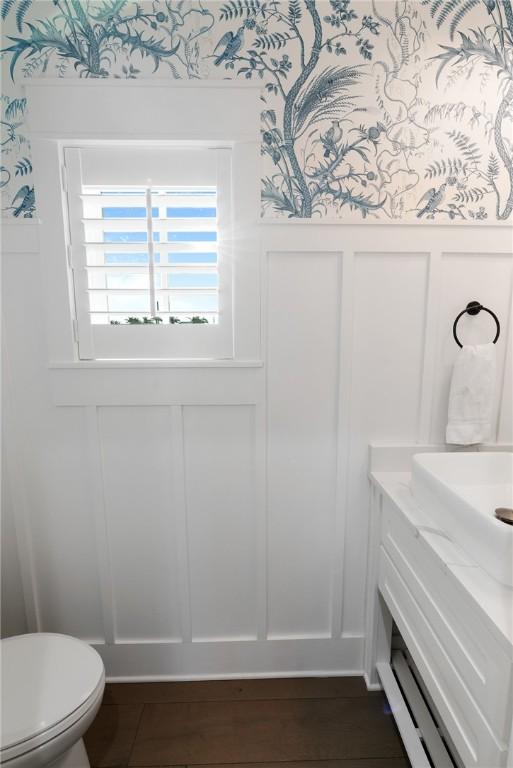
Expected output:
{"points": [[376, 109]]}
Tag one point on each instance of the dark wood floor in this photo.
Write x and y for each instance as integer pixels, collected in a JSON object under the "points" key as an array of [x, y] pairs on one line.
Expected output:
{"points": [[305, 723]]}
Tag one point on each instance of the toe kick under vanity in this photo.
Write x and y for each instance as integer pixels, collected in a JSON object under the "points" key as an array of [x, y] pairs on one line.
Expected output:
{"points": [[439, 626]]}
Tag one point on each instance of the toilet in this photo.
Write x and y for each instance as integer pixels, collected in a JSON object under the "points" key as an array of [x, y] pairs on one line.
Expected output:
{"points": [[51, 688]]}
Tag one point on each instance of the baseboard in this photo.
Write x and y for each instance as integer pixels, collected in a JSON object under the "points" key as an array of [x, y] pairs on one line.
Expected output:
{"points": [[371, 686], [243, 676], [218, 660]]}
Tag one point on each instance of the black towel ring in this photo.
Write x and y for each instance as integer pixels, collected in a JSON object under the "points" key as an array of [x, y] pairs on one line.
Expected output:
{"points": [[474, 308]]}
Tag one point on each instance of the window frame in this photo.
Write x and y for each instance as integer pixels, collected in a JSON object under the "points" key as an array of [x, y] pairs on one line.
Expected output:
{"points": [[165, 341], [87, 112]]}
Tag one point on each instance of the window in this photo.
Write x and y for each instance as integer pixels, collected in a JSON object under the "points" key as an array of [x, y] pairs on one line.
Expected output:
{"points": [[150, 251], [151, 254]]}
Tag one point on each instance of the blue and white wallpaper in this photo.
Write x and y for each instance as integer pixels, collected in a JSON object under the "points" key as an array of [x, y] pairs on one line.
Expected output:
{"points": [[371, 109]]}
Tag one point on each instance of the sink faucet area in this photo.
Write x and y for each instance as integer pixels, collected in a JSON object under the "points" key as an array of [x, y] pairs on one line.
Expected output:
{"points": [[460, 493]]}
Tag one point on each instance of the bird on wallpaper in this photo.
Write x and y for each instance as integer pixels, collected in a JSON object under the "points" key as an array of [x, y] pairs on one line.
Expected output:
{"points": [[232, 45], [433, 198], [331, 138], [27, 202]]}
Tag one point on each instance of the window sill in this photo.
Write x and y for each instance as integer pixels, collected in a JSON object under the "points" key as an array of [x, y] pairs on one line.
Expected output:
{"points": [[152, 363], [156, 382]]}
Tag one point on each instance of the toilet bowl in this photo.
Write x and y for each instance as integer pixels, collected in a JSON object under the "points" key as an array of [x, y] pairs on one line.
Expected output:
{"points": [[51, 689]]}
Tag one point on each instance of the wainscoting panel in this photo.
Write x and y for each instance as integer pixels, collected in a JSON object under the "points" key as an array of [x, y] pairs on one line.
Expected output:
{"points": [[209, 519], [58, 494], [220, 494], [141, 526], [389, 298], [303, 304]]}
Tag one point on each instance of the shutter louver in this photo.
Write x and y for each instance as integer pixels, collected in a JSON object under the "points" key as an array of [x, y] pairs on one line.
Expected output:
{"points": [[151, 266]]}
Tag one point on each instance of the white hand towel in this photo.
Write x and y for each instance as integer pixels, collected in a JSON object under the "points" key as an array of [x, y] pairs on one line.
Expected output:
{"points": [[471, 395]]}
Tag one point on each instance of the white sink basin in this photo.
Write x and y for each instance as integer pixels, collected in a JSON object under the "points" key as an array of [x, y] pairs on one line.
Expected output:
{"points": [[460, 492]]}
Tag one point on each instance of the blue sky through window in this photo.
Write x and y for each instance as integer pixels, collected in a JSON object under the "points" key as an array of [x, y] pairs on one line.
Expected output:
{"points": [[130, 258], [191, 206], [192, 280], [137, 212], [193, 303], [191, 213], [197, 257], [191, 237], [129, 237]]}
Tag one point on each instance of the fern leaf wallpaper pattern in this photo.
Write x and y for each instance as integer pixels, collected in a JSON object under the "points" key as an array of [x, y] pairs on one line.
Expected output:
{"points": [[371, 109]]}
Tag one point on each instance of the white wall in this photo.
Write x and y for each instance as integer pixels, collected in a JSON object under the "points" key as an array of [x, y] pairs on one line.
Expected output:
{"points": [[213, 521], [13, 619]]}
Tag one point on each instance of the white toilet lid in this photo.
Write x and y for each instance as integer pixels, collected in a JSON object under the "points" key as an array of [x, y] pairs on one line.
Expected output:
{"points": [[45, 678]]}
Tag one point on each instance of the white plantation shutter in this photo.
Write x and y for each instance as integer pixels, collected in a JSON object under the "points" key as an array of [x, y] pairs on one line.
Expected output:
{"points": [[150, 251]]}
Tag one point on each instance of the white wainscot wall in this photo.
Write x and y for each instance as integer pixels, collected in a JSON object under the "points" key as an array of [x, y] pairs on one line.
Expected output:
{"points": [[212, 521]]}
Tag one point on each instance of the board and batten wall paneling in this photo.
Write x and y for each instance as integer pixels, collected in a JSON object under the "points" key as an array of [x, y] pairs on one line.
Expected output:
{"points": [[505, 428], [45, 452], [59, 500], [303, 304], [389, 298], [141, 522], [146, 522], [485, 277], [220, 498]]}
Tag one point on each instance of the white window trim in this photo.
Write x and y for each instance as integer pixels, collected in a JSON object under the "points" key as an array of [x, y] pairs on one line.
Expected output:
{"points": [[79, 113], [164, 341]]}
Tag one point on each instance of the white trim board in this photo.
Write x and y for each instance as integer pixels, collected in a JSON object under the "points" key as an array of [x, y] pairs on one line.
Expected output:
{"points": [[313, 657], [61, 109]]}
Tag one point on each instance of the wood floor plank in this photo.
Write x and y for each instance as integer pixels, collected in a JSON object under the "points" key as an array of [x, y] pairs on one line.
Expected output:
{"points": [[110, 738], [236, 690], [261, 731]]}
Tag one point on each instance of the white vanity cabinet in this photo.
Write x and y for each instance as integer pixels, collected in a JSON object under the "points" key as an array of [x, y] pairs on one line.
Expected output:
{"points": [[456, 622]]}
